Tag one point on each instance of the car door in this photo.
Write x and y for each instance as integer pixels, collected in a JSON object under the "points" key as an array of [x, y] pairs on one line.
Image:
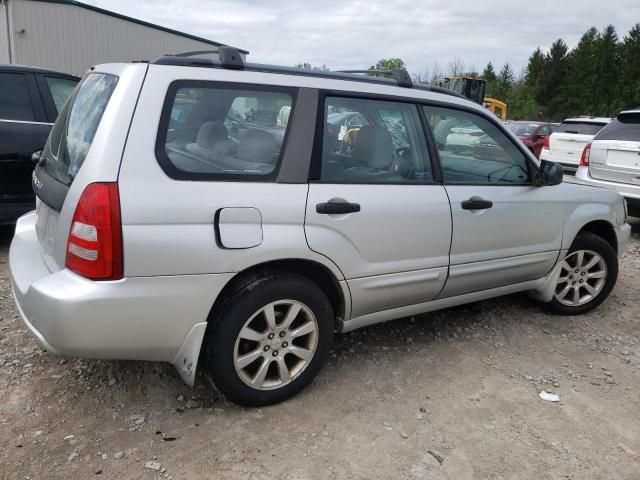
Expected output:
{"points": [[505, 229], [373, 206], [23, 130]]}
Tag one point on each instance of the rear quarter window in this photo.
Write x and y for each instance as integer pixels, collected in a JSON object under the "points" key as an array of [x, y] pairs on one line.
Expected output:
{"points": [[626, 128], [212, 131], [580, 128]]}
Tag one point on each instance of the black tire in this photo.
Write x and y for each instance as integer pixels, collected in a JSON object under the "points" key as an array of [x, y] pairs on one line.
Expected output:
{"points": [[248, 297], [590, 241]]}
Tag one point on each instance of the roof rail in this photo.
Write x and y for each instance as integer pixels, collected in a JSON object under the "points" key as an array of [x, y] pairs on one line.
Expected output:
{"points": [[229, 57], [400, 75]]}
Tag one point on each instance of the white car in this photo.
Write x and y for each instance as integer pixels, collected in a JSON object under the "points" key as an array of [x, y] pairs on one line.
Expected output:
{"points": [[566, 144], [463, 139], [612, 160]]}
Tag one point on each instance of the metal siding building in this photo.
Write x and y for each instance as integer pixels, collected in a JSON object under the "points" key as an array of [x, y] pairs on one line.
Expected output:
{"points": [[70, 36]]}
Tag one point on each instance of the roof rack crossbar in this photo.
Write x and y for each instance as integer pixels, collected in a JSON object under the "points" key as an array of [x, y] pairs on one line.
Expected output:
{"points": [[229, 57], [195, 52], [400, 75]]}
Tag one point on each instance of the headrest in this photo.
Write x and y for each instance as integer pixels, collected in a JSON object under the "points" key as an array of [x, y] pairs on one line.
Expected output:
{"points": [[211, 133], [374, 148], [257, 146]]}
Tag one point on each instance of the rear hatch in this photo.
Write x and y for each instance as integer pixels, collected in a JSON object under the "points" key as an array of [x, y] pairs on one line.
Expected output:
{"points": [[615, 152], [62, 158], [568, 141]]}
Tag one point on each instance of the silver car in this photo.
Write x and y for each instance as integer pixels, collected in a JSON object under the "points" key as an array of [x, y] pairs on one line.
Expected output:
{"points": [[178, 221]]}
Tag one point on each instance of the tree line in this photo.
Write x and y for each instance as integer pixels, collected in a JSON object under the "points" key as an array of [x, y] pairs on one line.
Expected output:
{"points": [[600, 76]]}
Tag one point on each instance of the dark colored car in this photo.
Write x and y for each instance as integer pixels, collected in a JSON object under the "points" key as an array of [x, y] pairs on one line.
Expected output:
{"points": [[30, 99], [532, 134]]}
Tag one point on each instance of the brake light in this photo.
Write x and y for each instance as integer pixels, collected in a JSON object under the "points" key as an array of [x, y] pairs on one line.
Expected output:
{"points": [[584, 159], [545, 143], [94, 248]]}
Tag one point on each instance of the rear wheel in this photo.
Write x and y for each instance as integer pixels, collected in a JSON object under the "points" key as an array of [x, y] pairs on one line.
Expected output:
{"points": [[588, 274], [270, 339]]}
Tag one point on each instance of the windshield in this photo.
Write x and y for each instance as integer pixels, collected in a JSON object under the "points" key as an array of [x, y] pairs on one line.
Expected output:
{"points": [[471, 88], [522, 129], [73, 132]]}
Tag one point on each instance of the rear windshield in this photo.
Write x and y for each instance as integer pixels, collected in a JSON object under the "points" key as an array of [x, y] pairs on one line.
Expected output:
{"points": [[522, 129], [580, 128], [626, 127], [73, 132]]}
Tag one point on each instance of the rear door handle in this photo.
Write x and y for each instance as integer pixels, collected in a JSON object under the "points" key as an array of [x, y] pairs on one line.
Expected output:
{"points": [[332, 208], [476, 203]]}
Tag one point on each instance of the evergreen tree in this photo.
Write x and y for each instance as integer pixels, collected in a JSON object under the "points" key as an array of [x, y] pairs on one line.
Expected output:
{"points": [[574, 94], [555, 74], [629, 82], [534, 76], [489, 73], [607, 63], [504, 82]]}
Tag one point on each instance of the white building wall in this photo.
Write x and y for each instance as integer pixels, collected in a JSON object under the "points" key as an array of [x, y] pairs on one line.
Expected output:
{"points": [[71, 39], [4, 29]]}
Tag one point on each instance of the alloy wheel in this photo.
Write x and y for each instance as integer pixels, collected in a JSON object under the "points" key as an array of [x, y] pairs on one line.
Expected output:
{"points": [[582, 277], [276, 344]]}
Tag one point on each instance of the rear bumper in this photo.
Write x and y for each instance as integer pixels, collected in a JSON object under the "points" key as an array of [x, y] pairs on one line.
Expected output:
{"points": [[629, 191], [138, 318]]}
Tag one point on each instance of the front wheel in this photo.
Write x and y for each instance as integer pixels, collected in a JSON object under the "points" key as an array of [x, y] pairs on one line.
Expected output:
{"points": [[588, 274], [271, 337]]}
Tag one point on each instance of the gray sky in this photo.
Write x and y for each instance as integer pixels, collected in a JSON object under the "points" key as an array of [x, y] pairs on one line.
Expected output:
{"points": [[355, 34]]}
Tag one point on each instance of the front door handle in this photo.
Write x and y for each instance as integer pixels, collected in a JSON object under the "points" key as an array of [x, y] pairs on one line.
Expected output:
{"points": [[476, 203], [334, 208]]}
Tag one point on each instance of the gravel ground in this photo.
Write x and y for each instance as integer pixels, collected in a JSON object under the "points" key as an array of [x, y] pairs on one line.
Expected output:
{"points": [[447, 395]]}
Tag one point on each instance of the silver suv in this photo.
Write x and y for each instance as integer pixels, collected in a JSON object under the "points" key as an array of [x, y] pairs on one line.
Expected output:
{"points": [[233, 217]]}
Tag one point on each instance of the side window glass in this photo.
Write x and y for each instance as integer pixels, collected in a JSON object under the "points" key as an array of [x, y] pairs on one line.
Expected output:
{"points": [[474, 150], [226, 132], [372, 141], [61, 89], [15, 100]]}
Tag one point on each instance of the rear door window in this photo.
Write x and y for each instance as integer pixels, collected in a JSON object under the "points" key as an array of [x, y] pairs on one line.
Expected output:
{"points": [[60, 89], [580, 128], [373, 141], [15, 99], [626, 128], [211, 131], [75, 127]]}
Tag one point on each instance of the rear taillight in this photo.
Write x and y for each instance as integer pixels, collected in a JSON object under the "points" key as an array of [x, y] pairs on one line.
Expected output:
{"points": [[545, 143], [584, 159], [94, 249]]}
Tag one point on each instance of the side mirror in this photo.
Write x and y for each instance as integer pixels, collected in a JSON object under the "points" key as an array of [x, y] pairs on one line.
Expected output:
{"points": [[550, 173]]}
